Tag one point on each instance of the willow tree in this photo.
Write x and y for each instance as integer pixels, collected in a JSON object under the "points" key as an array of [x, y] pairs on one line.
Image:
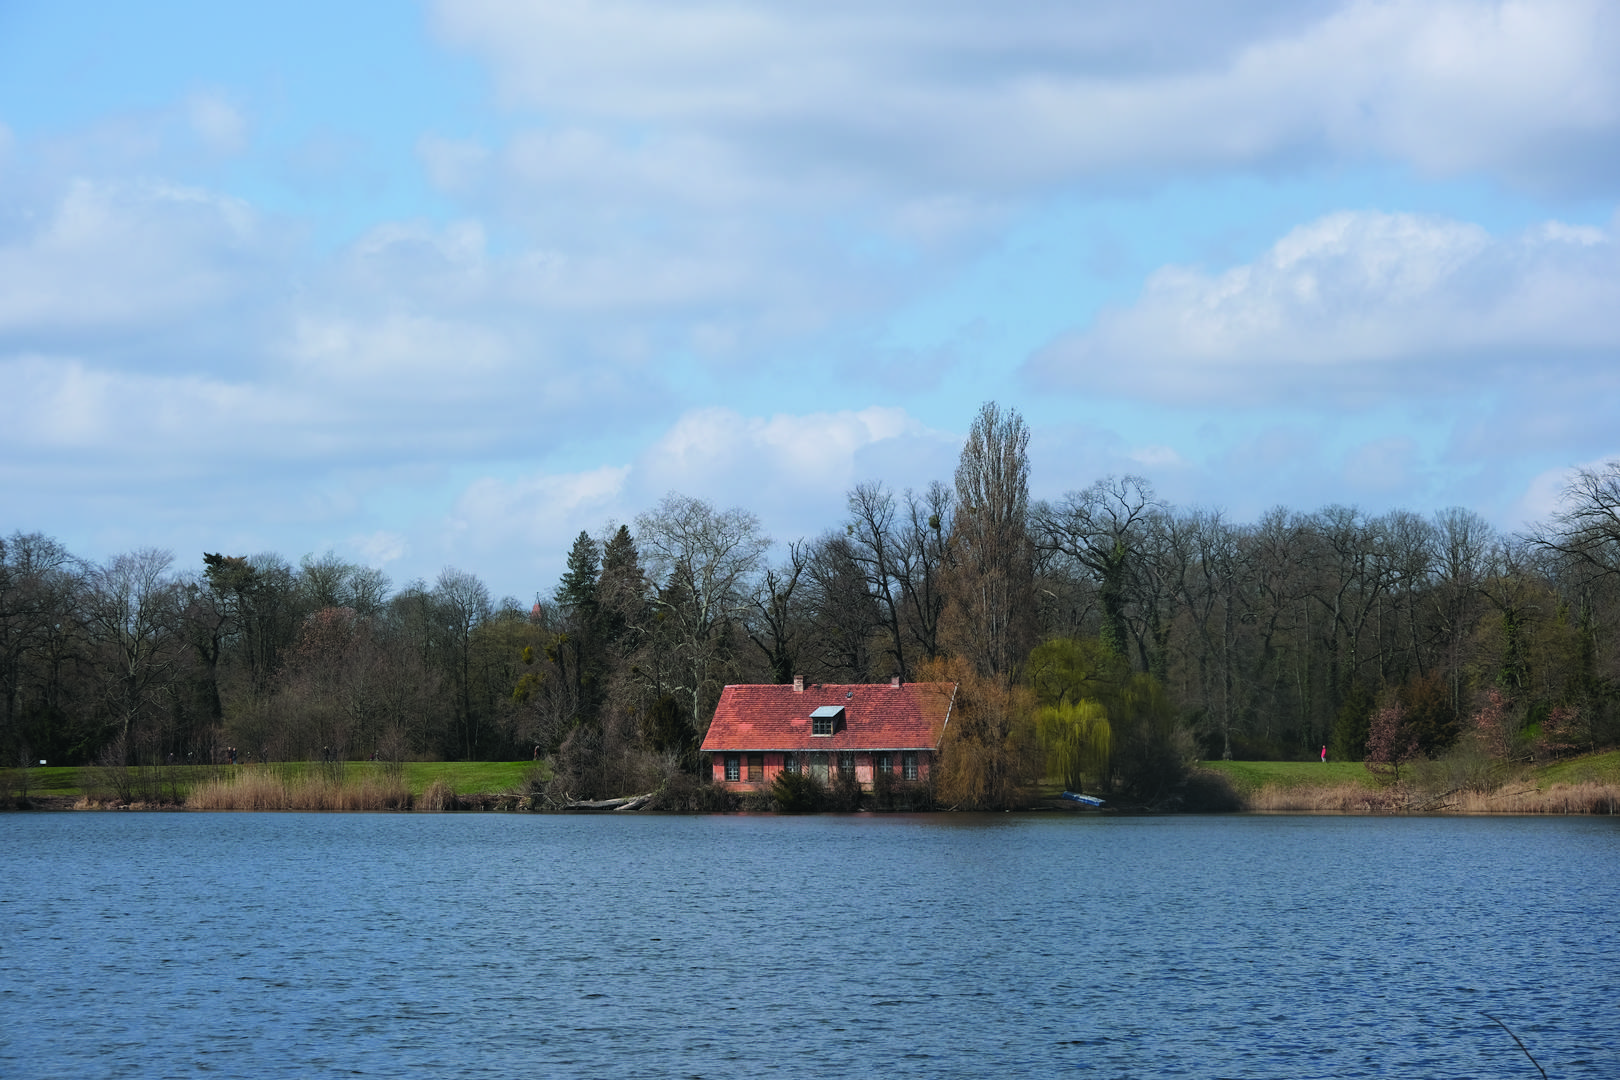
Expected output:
{"points": [[1077, 740]]}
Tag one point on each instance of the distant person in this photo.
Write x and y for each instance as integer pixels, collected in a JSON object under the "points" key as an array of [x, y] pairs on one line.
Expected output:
{"points": [[1324, 755]]}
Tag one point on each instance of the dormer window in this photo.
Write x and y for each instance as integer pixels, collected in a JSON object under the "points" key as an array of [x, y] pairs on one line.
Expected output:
{"points": [[827, 719]]}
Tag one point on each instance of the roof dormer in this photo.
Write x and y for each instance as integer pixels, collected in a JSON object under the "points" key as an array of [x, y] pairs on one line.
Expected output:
{"points": [[827, 719]]}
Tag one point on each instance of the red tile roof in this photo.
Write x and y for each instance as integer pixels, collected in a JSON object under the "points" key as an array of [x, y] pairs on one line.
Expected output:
{"points": [[876, 717]]}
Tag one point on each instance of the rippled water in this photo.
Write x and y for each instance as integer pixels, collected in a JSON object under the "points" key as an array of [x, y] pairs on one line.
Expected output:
{"points": [[934, 946]]}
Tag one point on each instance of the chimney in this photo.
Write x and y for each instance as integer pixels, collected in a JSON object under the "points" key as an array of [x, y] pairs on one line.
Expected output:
{"points": [[894, 681], [798, 684]]}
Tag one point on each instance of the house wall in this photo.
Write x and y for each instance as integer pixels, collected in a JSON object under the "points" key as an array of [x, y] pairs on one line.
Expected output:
{"points": [[864, 767]]}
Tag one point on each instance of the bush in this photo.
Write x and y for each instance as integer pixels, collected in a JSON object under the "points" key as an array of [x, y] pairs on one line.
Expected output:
{"points": [[1210, 792], [844, 793], [797, 793], [683, 791]]}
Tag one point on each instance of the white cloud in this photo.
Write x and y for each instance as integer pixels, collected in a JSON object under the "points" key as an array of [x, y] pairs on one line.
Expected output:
{"points": [[793, 470], [537, 514], [1359, 307], [130, 421], [1544, 496], [1382, 466], [379, 548], [945, 94], [124, 256], [776, 461], [217, 122]]}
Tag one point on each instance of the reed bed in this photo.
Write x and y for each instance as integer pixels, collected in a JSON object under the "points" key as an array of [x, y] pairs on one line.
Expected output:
{"points": [[1325, 799], [438, 795], [313, 790], [1587, 797]]}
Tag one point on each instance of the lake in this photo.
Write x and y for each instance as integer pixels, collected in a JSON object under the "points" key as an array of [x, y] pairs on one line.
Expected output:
{"points": [[499, 945]]}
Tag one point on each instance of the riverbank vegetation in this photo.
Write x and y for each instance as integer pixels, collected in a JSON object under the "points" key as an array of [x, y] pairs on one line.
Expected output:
{"points": [[1104, 640], [1464, 781]]}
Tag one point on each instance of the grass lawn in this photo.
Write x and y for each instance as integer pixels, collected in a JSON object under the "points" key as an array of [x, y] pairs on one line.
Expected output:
{"points": [[49, 780], [1249, 776], [465, 777], [1595, 768], [471, 777]]}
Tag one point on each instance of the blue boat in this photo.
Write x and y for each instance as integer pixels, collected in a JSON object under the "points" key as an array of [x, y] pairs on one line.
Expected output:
{"points": [[1075, 796]]}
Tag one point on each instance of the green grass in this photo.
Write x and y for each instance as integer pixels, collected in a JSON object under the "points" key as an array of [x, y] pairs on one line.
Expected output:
{"points": [[470, 777], [49, 780], [1600, 768], [466, 777], [1248, 776]]}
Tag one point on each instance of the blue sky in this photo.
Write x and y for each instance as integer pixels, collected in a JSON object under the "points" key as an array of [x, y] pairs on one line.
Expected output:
{"points": [[444, 284]]}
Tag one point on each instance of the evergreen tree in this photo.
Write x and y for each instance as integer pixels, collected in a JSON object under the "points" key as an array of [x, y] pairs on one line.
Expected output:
{"points": [[576, 592]]}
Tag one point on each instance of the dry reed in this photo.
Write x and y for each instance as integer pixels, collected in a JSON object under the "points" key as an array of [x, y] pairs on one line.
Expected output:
{"points": [[270, 790], [439, 795], [1582, 798]]}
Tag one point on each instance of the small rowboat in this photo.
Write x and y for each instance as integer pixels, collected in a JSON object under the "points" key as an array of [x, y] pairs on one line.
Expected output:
{"points": [[1075, 796]]}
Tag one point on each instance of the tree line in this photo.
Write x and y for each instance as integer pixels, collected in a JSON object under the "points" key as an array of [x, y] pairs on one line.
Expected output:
{"points": [[1104, 636]]}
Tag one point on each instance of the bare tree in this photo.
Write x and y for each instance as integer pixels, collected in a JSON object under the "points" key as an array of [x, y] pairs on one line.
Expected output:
{"points": [[773, 619], [922, 564], [843, 618], [461, 602], [704, 561], [1105, 529], [876, 547], [1587, 527], [133, 607]]}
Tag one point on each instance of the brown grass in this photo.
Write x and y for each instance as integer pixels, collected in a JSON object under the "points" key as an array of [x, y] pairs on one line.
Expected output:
{"points": [[268, 790], [1579, 798], [1588, 797], [437, 796], [1325, 799]]}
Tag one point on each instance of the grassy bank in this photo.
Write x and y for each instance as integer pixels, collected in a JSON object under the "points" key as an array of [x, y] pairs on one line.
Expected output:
{"points": [[1584, 785], [362, 786], [353, 785]]}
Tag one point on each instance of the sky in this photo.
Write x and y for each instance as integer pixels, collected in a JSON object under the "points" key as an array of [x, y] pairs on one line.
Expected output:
{"points": [[444, 284]]}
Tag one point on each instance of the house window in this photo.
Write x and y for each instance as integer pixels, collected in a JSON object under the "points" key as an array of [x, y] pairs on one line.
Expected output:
{"points": [[908, 765], [846, 762], [821, 725], [756, 768], [882, 763], [790, 763], [733, 771]]}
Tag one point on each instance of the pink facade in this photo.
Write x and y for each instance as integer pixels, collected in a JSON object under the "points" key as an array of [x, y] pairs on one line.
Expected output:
{"points": [[904, 765]]}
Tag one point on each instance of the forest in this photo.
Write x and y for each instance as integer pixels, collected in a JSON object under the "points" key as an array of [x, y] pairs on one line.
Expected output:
{"points": [[1103, 638]]}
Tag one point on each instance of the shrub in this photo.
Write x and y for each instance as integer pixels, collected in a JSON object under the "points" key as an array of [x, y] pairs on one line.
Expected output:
{"points": [[683, 791], [1210, 792], [797, 793], [844, 793]]}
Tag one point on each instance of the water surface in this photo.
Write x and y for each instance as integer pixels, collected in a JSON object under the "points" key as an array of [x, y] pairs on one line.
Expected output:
{"points": [[495, 945]]}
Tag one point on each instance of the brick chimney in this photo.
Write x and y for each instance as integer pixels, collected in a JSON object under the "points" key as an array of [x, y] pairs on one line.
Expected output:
{"points": [[894, 681], [798, 684]]}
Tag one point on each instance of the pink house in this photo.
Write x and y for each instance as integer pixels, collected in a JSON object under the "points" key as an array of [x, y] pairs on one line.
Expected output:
{"points": [[859, 728]]}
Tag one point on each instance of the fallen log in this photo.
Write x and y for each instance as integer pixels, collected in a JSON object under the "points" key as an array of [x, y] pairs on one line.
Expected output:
{"points": [[609, 804]]}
